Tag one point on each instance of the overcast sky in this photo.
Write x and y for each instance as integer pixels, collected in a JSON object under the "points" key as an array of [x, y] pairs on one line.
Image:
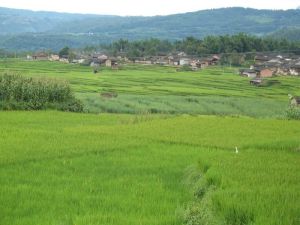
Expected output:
{"points": [[143, 7]]}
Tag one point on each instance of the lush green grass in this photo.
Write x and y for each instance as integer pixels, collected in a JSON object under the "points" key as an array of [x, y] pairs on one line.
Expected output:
{"points": [[86, 169], [65, 168], [162, 89]]}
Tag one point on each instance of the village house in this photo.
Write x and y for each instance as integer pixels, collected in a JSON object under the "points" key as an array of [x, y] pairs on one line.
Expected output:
{"points": [[108, 63], [162, 60], [176, 62], [40, 56], [170, 60], [111, 62], [268, 66], [181, 54], [184, 61], [143, 61], [103, 57], [202, 64], [265, 72], [251, 73], [261, 59], [214, 60], [54, 57], [96, 62], [210, 61], [99, 56], [64, 59], [194, 63], [283, 70], [78, 60], [295, 69], [173, 60]]}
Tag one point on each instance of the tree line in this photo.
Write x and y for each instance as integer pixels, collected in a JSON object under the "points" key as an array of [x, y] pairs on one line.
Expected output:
{"points": [[232, 44], [238, 43]]}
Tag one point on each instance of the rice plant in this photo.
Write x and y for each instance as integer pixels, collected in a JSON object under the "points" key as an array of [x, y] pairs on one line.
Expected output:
{"points": [[66, 168]]}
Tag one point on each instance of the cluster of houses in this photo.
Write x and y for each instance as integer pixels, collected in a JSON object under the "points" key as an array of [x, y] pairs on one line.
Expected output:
{"points": [[96, 60], [42, 56], [93, 60], [180, 59], [266, 65], [270, 65]]}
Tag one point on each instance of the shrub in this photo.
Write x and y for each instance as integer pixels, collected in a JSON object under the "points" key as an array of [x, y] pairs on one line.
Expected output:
{"points": [[184, 68], [25, 93], [293, 113], [73, 105]]}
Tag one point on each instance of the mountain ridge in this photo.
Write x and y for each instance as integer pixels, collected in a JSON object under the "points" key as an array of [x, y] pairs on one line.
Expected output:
{"points": [[94, 29]]}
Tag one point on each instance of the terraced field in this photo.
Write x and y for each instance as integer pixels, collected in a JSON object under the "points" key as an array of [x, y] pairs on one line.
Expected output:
{"points": [[156, 89]]}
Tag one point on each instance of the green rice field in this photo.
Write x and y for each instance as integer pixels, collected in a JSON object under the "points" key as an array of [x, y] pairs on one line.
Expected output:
{"points": [[159, 147], [65, 168], [157, 89]]}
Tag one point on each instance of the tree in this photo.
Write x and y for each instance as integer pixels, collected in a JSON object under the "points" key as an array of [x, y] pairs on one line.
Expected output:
{"points": [[64, 51]]}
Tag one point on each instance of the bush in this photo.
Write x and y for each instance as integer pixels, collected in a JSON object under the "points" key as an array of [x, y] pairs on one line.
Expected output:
{"points": [[185, 68], [25, 93], [293, 113], [73, 105]]}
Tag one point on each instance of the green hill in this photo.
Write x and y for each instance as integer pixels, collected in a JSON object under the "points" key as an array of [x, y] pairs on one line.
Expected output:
{"points": [[16, 21], [77, 30], [292, 34]]}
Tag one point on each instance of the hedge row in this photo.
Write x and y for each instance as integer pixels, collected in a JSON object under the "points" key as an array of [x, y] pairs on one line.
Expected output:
{"points": [[19, 92]]}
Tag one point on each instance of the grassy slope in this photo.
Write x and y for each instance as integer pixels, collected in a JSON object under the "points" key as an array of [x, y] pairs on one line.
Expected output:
{"points": [[160, 89], [125, 169]]}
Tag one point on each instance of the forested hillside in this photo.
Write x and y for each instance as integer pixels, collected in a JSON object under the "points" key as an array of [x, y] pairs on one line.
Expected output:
{"points": [[24, 29]]}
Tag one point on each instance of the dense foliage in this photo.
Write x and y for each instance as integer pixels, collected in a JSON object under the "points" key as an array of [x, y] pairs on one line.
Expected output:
{"points": [[239, 43], [17, 92]]}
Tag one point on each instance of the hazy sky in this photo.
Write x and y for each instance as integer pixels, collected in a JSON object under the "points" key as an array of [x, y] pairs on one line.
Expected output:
{"points": [[143, 7]]}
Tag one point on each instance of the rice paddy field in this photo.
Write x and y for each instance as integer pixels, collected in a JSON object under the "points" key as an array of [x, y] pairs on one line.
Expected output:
{"points": [[158, 89], [155, 160], [64, 168]]}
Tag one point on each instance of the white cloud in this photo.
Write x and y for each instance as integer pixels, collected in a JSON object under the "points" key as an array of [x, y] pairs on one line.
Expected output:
{"points": [[143, 7]]}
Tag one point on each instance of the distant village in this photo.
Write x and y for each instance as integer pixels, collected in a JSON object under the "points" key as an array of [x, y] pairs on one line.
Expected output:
{"points": [[269, 65], [265, 65], [97, 59]]}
